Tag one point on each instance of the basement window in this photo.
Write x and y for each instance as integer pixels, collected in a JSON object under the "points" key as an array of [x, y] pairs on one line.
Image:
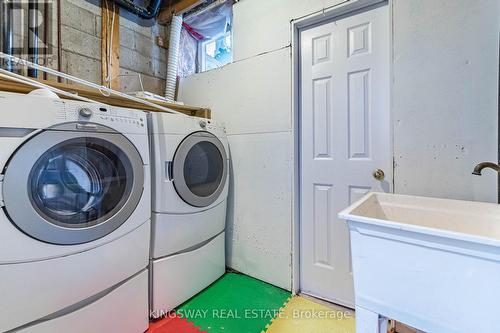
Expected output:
{"points": [[216, 53], [206, 38]]}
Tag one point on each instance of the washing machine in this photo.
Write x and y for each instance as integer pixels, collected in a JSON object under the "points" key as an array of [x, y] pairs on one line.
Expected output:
{"points": [[190, 172], [75, 214]]}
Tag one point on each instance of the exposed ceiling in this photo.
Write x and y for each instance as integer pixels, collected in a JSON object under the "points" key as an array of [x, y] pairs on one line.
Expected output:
{"points": [[176, 7]]}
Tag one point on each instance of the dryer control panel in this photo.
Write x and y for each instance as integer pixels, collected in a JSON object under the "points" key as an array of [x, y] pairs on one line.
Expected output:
{"points": [[121, 119], [212, 126]]}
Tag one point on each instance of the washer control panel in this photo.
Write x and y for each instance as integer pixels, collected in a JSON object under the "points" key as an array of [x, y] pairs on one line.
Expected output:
{"points": [[123, 120]]}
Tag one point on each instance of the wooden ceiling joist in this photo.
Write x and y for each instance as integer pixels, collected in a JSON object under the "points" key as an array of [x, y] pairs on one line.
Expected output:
{"points": [[177, 8]]}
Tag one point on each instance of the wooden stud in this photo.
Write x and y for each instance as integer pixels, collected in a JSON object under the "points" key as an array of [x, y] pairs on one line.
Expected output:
{"points": [[110, 32], [162, 42]]}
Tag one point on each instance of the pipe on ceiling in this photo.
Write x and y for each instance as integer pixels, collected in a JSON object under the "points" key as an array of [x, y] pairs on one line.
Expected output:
{"points": [[149, 12], [59, 39], [6, 31], [33, 33], [46, 31]]}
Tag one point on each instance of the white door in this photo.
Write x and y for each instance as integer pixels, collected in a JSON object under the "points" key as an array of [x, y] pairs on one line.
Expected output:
{"points": [[345, 136]]}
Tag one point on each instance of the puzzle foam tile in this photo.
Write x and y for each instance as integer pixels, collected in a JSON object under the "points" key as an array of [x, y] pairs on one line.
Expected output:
{"points": [[235, 304], [173, 324], [301, 315]]}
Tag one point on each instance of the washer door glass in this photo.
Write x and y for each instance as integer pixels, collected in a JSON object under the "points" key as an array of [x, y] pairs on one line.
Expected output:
{"points": [[200, 169], [69, 187], [80, 182]]}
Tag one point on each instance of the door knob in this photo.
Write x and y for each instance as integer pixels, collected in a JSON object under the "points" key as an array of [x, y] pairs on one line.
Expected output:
{"points": [[378, 174]]}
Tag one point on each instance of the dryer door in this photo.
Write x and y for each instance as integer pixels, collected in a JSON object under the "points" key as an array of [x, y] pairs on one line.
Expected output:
{"points": [[65, 187], [200, 169]]}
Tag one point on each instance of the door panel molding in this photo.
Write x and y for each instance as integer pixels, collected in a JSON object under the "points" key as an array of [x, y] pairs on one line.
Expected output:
{"points": [[343, 133], [296, 26]]}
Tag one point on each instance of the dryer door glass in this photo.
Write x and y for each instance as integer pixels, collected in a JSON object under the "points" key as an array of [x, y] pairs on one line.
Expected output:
{"points": [[80, 182], [200, 169], [203, 169]]}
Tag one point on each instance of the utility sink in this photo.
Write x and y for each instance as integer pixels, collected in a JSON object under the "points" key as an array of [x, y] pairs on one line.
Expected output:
{"points": [[430, 263]]}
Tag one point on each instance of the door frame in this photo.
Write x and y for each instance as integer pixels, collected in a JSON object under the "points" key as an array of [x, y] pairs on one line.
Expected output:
{"points": [[336, 12]]}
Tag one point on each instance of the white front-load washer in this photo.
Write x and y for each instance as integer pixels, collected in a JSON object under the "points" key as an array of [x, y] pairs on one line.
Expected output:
{"points": [[75, 216], [190, 187]]}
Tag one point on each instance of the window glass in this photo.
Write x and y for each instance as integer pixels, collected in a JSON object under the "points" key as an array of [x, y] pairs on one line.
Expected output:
{"points": [[80, 182], [206, 38], [217, 52], [203, 169], [210, 49]]}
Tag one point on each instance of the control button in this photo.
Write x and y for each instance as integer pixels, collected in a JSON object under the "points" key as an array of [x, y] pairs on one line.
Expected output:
{"points": [[203, 123], [85, 112]]}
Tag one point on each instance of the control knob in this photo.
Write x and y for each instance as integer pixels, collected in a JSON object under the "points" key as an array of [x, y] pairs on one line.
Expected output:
{"points": [[85, 112]]}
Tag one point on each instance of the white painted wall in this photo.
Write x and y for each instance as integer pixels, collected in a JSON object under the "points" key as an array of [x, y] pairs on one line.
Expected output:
{"points": [[438, 100], [445, 97], [253, 98]]}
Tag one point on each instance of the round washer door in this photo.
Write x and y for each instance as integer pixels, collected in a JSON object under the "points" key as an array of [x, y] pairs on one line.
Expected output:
{"points": [[65, 187], [200, 169]]}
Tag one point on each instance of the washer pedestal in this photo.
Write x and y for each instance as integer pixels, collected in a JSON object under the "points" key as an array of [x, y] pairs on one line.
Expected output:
{"points": [[124, 309]]}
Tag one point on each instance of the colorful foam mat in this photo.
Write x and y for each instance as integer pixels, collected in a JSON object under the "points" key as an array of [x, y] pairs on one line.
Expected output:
{"points": [[235, 303], [240, 304], [301, 315], [173, 324]]}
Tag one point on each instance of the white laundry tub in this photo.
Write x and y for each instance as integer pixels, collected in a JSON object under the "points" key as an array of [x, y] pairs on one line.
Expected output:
{"points": [[430, 263]]}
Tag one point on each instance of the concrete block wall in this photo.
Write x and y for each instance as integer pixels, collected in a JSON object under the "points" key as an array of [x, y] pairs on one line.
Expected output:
{"points": [[139, 54], [80, 39]]}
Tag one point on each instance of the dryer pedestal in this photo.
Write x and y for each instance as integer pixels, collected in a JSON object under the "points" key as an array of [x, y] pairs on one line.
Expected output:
{"points": [[190, 168], [177, 278]]}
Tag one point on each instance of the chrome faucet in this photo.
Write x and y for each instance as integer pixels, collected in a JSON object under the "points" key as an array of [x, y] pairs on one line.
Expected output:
{"points": [[483, 165]]}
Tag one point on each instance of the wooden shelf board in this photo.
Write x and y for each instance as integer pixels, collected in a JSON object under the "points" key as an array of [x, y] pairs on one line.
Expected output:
{"points": [[95, 94]]}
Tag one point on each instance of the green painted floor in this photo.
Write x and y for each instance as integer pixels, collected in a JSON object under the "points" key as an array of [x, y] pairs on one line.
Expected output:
{"points": [[235, 303]]}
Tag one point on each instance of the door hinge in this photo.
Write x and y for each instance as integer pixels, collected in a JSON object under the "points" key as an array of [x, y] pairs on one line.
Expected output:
{"points": [[1, 191]]}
